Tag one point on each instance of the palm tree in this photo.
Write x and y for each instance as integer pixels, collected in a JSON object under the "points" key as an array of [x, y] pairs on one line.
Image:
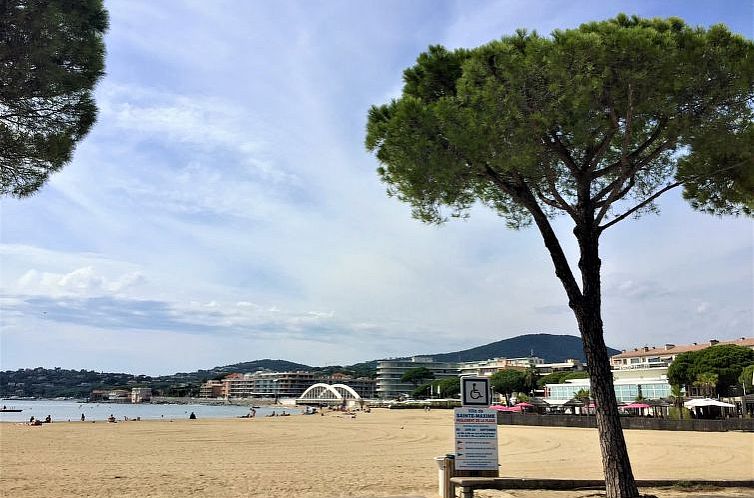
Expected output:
{"points": [[530, 379], [584, 396], [707, 382]]}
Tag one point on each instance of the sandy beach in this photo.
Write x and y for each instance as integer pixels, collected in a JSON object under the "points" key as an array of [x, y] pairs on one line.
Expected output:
{"points": [[383, 453]]}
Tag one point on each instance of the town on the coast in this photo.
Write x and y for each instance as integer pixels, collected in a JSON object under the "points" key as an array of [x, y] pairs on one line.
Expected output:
{"points": [[644, 378]]}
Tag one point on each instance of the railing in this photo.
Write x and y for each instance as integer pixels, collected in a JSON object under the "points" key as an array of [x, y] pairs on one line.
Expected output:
{"points": [[642, 366], [646, 423]]}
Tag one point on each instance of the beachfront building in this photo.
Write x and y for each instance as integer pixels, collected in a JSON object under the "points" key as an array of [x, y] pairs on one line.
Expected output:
{"points": [[569, 365], [363, 386], [662, 356], [277, 385], [626, 390], [237, 385], [212, 389], [641, 372], [389, 373], [282, 384], [141, 394], [119, 396], [488, 367]]}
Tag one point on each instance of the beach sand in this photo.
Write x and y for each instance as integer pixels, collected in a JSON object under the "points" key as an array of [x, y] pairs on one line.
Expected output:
{"points": [[383, 453]]}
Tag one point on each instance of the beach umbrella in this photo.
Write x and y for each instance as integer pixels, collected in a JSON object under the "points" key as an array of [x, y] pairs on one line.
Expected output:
{"points": [[502, 408], [635, 405], [707, 402], [573, 402]]}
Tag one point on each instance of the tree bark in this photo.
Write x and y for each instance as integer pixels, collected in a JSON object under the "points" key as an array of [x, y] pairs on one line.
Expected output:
{"points": [[586, 304], [619, 479]]}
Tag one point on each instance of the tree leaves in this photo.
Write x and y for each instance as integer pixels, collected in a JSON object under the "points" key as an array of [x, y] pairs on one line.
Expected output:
{"points": [[595, 122], [52, 55]]}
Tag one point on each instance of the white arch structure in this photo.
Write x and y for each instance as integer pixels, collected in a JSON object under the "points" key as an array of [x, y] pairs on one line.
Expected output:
{"points": [[321, 392]]}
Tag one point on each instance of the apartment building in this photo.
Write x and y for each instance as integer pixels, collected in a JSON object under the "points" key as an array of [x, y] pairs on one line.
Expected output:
{"points": [[389, 373], [141, 394], [277, 385], [488, 367], [662, 356]]}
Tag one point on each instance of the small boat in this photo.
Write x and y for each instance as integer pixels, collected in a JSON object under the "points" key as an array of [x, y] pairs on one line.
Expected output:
{"points": [[6, 409]]}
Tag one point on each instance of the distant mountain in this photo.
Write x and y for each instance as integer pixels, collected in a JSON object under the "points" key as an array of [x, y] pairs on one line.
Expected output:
{"points": [[551, 348], [249, 367]]}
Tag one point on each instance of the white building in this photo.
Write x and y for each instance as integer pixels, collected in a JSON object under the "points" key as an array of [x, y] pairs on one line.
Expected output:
{"points": [[141, 394], [626, 390], [389, 373]]}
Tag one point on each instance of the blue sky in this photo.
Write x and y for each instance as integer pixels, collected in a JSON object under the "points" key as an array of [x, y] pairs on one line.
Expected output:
{"points": [[224, 209]]}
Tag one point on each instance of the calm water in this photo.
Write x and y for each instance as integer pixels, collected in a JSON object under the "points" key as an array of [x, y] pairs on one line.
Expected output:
{"points": [[65, 410]]}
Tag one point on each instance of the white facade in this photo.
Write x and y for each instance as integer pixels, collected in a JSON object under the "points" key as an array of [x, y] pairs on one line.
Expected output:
{"points": [[626, 390], [389, 373], [488, 367], [141, 394]]}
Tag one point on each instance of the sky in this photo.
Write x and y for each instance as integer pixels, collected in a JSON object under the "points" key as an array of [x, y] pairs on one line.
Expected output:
{"points": [[224, 209]]}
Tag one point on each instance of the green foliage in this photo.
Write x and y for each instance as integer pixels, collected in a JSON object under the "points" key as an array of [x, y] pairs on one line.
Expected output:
{"points": [[530, 379], [57, 382], [707, 381], [508, 381], [595, 122], [745, 379], [727, 361], [623, 106], [450, 387], [52, 55], [679, 413], [583, 395], [416, 375]]}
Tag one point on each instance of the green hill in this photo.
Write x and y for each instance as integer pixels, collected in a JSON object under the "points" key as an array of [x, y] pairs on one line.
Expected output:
{"points": [[551, 348]]}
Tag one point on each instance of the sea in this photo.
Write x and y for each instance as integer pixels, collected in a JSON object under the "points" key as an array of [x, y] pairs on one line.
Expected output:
{"points": [[64, 410]]}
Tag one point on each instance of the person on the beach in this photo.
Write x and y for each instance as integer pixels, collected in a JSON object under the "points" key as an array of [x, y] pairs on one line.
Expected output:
{"points": [[192, 416], [83, 418], [48, 419]]}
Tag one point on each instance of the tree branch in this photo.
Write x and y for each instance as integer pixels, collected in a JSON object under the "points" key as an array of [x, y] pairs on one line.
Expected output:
{"points": [[636, 152], [519, 190], [594, 155], [639, 206], [616, 190], [555, 144], [662, 191]]}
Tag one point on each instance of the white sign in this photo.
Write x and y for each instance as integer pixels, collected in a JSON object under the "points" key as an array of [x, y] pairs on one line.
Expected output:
{"points": [[476, 438], [475, 391]]}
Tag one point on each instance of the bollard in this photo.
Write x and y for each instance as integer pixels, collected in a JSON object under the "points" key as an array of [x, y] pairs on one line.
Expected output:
{"points": [[440, 461], [450, 471], [445, 470]]}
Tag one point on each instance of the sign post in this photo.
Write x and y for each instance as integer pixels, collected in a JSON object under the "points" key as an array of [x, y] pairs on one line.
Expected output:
{"points": [[476, 430]]}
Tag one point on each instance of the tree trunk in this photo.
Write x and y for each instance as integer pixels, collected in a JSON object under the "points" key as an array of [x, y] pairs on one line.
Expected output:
{"points": [[586, 304], [619, 479]]}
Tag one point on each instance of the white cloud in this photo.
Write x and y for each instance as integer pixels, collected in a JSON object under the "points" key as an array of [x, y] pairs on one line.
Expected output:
{"points": [[227, 167], [84, 281]]}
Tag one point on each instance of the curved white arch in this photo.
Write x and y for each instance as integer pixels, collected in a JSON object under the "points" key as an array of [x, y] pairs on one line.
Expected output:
{"points": [[348, 389], [324, 391]]}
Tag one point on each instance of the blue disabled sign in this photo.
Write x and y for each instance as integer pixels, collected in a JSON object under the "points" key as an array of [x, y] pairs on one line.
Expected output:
{"points": [[475, 391]]}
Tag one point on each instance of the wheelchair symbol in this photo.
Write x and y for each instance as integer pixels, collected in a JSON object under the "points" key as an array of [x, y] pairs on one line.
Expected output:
{"points": [[474, 393]]}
